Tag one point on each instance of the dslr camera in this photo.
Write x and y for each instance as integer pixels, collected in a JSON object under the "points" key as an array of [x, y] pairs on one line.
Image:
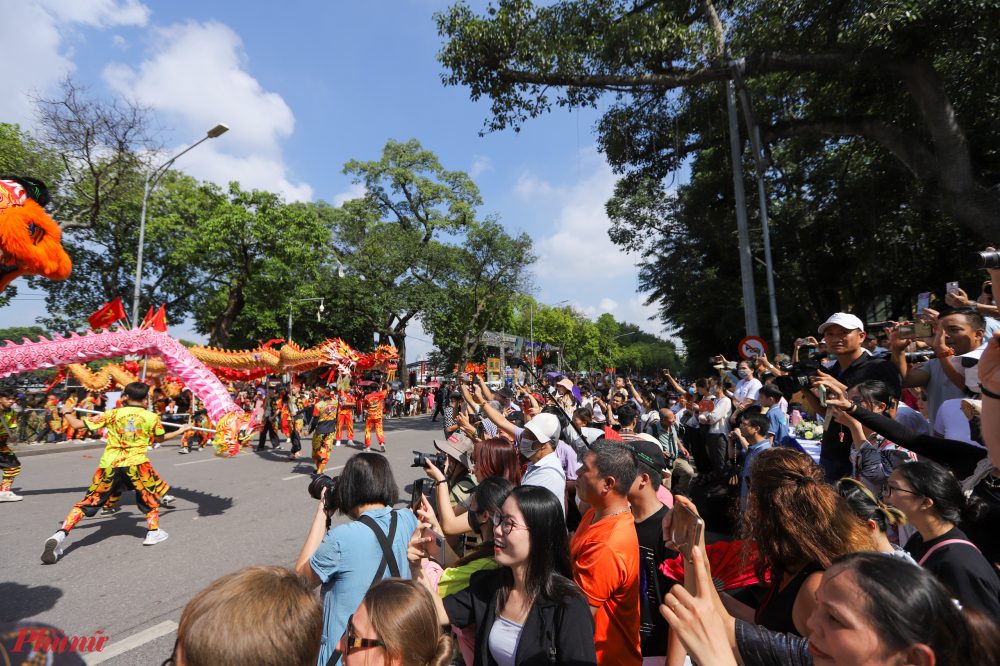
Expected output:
{"points": [[437, 459], [797, 376], [316, 486], [920, 356]]}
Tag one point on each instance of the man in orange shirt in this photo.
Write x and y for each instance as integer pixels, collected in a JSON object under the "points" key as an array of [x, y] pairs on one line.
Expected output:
{"points": [[605, 551]]}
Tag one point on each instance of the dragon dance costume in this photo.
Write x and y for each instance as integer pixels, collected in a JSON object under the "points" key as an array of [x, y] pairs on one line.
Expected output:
{"points": [[10, 466], [327, 413], [374, 406], [53, 421], [346, 416], [124, 466], [295, 410]]}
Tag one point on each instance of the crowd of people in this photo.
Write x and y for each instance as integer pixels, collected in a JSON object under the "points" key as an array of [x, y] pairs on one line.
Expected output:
{"points": [[603, 519]]}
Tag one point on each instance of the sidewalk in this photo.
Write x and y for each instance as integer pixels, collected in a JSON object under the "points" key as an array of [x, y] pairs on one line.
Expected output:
{"points": [[22, 450]]}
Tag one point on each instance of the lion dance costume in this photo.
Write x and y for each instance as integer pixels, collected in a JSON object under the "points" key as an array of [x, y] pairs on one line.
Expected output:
{"points": [[10, 466], [325, 434], [374, 405], [345, 419]]}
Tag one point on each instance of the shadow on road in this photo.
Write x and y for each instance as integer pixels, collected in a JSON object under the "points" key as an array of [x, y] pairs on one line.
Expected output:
{"points": [[207, 503], [19, 602], [56, 491]]}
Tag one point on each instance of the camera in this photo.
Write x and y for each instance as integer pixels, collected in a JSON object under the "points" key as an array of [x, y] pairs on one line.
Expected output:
{"points": [[316, 486], [797, 376], [919, 356], [436, 459], [986, 259]]}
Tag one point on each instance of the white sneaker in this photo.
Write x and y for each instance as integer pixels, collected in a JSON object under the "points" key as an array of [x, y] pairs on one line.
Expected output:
{"points": [[382, 446], [9, 496], [184, 449], [168, 500], [337, 443], [154, 537], [157, 445], [149, 448], [53, 548]]}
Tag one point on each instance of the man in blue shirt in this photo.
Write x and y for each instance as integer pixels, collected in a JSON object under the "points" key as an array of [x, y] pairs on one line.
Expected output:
{"points": [[777, 429], [751, 436]]}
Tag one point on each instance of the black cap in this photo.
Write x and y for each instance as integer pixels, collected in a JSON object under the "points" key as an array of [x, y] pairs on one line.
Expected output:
{"points": [[506, 392], [455, 395], [649, 454]]}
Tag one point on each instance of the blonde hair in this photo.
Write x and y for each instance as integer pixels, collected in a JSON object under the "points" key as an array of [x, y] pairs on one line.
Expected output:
{"points": [[404, 616], [257, 616]]}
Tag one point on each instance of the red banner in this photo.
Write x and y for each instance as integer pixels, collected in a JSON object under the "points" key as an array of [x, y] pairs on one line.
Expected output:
{"points": [[158, 321], [107, 315]]}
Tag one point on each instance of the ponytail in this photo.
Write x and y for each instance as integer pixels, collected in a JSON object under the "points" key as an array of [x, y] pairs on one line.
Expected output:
{"points": [[866, 506], [931, 480]]}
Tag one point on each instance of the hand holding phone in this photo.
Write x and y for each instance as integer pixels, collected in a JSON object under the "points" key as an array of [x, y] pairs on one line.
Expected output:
{"points": [[417, 496]]}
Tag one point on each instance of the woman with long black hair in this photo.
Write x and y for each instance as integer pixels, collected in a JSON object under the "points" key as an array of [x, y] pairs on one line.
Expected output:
{"points": [[529, 611]]}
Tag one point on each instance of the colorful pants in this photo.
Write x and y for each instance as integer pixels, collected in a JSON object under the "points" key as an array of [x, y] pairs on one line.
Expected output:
{"points": [[159, 488], [297, 425], [373, 424], [344, 419], [321, 449], [10, 466], [107, 481]]}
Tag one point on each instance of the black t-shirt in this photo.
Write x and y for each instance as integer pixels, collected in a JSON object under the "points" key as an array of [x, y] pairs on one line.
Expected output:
{"points": [[961, 569], [652, 628], [984, 532], [837, 439]]}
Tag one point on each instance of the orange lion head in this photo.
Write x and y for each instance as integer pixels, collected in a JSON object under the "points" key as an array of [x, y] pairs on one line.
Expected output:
{"points": [[30, 242]]}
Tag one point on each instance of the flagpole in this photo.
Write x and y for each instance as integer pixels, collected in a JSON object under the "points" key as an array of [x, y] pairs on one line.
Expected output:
{"points": [[163, 423]]}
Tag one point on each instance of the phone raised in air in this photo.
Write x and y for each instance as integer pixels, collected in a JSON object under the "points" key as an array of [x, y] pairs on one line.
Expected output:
{"points": [[951, 288], [418, 493], [919, 329], [686, 530]]}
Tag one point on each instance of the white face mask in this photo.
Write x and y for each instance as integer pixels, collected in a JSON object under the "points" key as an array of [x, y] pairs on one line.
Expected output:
{"points": [[743, 373], [524, 446]]}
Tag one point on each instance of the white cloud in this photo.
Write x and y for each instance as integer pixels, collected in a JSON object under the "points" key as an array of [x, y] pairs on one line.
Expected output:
{"points": [[37, 43], [196, 77], [119, 42], [480, 164], [609, 305], [355, 191]]}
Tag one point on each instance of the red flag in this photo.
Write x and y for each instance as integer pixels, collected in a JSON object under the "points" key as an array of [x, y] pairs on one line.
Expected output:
{"points": [[107, 315], [158, 321]]}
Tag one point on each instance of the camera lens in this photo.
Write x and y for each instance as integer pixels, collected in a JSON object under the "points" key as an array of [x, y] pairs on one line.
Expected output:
{"points": [[989, 259]]}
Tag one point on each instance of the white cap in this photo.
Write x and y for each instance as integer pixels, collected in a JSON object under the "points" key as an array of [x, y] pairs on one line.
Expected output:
{"points": [[848, 321]]}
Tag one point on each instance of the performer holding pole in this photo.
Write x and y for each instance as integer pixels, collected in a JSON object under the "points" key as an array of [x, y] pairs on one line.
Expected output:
{"points": [[124, 465], [327, 409], [297, 406], [10, 466], [345, 417], [374, 406]]}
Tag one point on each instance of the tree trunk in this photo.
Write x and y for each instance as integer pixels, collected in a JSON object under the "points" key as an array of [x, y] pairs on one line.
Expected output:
{"points": [[222, 326], [402, 373]]}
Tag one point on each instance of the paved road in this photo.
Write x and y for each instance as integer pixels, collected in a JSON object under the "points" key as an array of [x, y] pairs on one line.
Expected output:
{"points": [[230, 513]]}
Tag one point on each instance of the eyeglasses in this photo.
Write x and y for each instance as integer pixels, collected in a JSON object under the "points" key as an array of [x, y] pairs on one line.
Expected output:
{"points": [[353, 642], [506, 524], [887, 490]]}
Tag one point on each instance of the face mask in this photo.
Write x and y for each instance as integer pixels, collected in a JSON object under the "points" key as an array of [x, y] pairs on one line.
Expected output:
{"points": [[524, 446], [744, 373], [473, 521]]}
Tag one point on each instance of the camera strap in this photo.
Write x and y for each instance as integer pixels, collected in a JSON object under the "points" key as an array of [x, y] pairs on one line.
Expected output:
{"points": [[388, 560]]}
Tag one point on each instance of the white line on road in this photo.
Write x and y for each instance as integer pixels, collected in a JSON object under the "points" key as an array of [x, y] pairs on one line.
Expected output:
{"points": [[132, 642], [195, 462], [309, 476]]}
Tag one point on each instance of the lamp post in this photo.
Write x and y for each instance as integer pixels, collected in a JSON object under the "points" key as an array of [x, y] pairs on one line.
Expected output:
{"points": [[302, 300], [531, 324], [157, 173]]}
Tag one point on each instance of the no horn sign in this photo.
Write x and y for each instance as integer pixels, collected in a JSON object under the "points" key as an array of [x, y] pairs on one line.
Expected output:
{"points": [[752, 346]]}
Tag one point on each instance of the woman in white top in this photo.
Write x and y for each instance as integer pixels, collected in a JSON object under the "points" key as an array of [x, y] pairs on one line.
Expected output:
{"points": [[746, 392]]}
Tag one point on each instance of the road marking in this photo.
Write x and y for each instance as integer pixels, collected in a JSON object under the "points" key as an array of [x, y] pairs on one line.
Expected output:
{"points": [[195, 462], [130, 643], [308, 476]]}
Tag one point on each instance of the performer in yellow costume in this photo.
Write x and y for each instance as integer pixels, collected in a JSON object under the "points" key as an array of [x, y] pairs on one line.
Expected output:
{"points": [[374, 403], [10, 466], [327, 410], [124, 466], [346, 416]]}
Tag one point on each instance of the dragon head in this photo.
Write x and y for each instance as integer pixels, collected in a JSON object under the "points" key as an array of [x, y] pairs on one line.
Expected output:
{"points": [[30, 242]]}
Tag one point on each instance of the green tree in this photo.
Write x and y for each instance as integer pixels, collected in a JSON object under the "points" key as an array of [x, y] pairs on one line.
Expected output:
{"points": [[488, 273], [391, 238]]}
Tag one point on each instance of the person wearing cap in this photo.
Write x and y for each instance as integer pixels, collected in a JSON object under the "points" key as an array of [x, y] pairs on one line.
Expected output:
{"points": [[648, 511], [564, 396], [455, 483], [505, 397], [843, 334]]}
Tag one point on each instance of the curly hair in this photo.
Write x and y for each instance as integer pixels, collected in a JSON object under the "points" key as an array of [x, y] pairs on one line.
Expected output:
{"points": [[795, 517]]}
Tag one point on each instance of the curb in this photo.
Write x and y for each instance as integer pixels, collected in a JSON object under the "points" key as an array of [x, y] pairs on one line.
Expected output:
{"points": [[58, 447]]}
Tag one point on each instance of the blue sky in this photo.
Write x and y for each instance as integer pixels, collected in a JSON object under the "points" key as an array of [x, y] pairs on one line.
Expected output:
{"points": [[306, 86]]}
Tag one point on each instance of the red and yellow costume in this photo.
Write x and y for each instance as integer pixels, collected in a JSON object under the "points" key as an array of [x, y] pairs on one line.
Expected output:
{"points": [[124, 465], [56, 423], [327, 410], [346, 415], [373, 421], [10, 466]]}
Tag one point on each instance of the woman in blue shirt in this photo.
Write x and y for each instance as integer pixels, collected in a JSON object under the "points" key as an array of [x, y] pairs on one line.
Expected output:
{"points": [[347, 559]]}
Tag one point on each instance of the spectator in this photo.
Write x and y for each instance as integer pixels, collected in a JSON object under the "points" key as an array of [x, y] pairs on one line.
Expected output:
{"points": [[529, 611], [843, 334], [934, 504], [676, 455], [872, 609], [958, 332], [286, 616], [605, 551], [456, 482], [910, 417], [397, 619], [450, 412], [747, 388], [344, 559], [537, 442], [878, 517], [799, 526], [439, 405], [715, 429], [777, 423], [752, 436], [627, 415], [648, 512]]}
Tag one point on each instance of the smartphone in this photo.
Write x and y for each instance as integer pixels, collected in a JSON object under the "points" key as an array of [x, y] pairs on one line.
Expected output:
{"points": [[920, 329], [418, 493], [822, 394], [951, 288], [923, 301], [686, 530], [988, 288], [435, 547]]}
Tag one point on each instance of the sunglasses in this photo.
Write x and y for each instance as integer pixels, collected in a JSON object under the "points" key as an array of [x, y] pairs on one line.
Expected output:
{"points": [[887, 490], [353, 642]]}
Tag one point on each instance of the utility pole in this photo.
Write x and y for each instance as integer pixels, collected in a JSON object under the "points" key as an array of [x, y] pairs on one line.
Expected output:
{"points": [[746, 260]]}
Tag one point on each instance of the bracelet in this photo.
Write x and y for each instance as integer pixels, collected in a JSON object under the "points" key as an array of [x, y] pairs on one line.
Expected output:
{"points": [[945, 353], [988, 393]]}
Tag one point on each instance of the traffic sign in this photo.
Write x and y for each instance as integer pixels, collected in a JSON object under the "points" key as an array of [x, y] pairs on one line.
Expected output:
{"points": [[752, 346]]}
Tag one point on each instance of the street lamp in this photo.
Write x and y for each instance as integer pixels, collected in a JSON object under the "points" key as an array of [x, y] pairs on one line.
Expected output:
{"points": [[158, 172], [302, 300], [531, 323]]}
